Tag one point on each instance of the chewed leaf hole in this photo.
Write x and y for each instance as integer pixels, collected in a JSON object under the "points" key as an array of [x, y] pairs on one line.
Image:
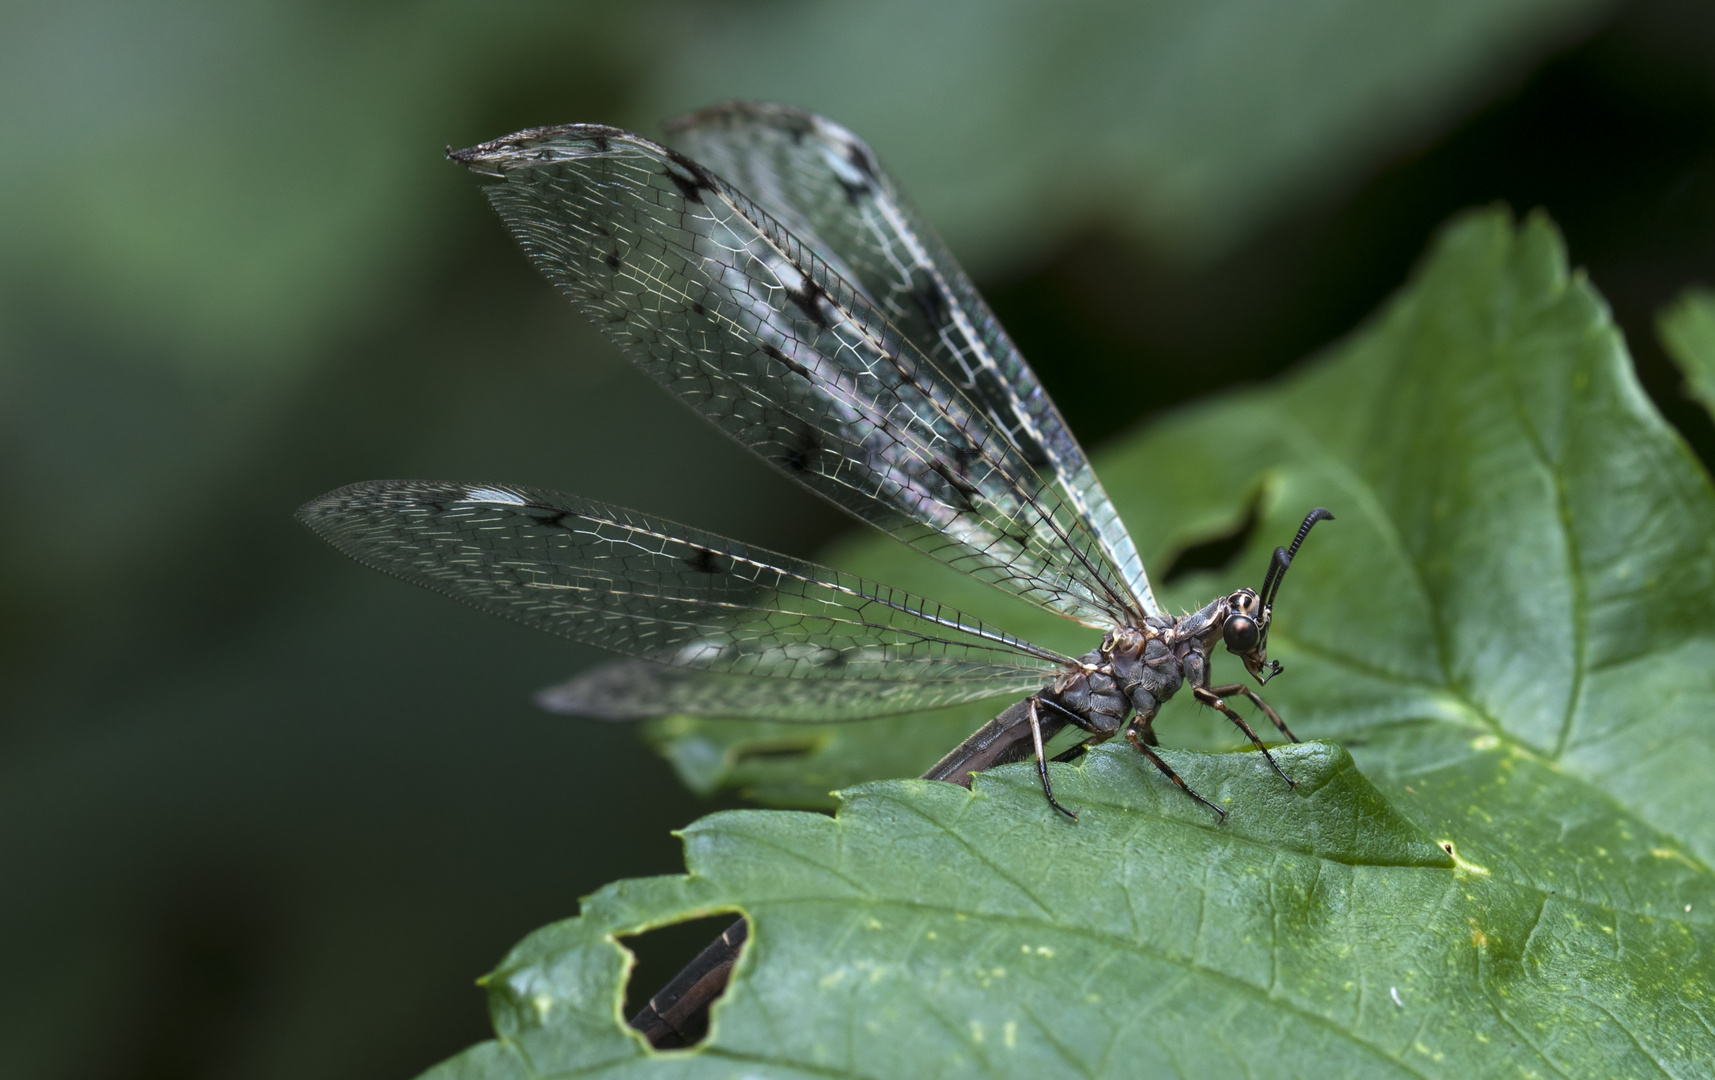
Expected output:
{"points": [[790, 750], [1217, 552], [680, 971]]}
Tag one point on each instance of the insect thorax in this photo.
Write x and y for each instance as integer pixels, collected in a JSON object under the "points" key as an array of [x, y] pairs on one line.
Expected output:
{"points": [[1136, 668]]}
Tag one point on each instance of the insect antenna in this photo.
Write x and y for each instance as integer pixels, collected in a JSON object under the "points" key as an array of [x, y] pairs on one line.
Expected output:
{"points": [[1282, 559]]}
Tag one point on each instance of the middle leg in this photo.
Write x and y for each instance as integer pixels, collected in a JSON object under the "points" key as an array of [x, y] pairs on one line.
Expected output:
{"points": [[1131, 736], [1208, 697]]}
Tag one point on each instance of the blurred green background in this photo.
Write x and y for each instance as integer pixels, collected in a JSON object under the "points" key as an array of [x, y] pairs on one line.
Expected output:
{"points": [[264, 813]]}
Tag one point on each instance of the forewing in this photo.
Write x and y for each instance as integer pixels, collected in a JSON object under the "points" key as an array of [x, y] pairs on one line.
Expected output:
{"points": [[827, 187], [635, 584], [724, 307], [634, 689]]}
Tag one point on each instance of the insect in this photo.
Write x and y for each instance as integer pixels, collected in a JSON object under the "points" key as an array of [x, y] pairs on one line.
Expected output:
{"points": [[772, 276]]}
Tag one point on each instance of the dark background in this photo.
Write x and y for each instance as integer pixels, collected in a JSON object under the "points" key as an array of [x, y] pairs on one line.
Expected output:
{"points": [[264, 813]]}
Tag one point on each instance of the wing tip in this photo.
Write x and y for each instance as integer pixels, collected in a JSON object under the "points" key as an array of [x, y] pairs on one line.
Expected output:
{"points": [[317, 511], [538, 144], [592, 695], [321, 512]]}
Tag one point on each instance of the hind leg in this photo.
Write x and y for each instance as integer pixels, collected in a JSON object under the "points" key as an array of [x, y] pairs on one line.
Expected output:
{"points": [[1141, 734], [1167, 771]]}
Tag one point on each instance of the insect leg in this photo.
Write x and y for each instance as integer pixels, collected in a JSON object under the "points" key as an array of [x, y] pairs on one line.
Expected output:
{"points": [[1077, 749], [1167, 771], [1042, 762], [1212, 699], [1256, 699]]}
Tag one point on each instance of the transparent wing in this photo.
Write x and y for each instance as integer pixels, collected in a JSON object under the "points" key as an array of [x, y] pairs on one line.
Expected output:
{"points": [[648, 588], [634, 689], [826, 186], [724, 307]]}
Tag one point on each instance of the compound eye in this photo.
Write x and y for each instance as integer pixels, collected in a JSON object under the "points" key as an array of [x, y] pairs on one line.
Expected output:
{"points": [[1240, 633]]}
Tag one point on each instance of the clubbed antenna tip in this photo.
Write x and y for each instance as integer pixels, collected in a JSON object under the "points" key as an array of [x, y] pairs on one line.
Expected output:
{"points": [[1283, 556]]}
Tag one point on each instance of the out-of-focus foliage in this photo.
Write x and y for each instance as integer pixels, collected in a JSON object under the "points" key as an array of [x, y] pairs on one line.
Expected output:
{"points": [[1508, 623], [1688, 331], [1187, 124], [234, 180]]}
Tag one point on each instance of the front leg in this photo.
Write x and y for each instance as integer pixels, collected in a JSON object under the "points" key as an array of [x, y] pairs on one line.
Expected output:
{"points": [[1256, 699], [1213, 700]]}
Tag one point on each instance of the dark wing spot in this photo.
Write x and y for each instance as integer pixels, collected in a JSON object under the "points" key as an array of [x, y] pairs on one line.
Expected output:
{"points": [[964, 489], [809, 301], [690, 165], [795, 367], [689, 189], [858, 154], [932, 303], [546, 515], [1030, 450], [690, 178], [521, 577], [697, 306], [703, 561], [599, 142], [613, 260], [802, 451], [855, 189]]}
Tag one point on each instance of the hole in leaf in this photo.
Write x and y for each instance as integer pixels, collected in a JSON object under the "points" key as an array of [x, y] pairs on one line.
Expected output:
{"points": [[680, 972], [1218, 552], [776, 751]]}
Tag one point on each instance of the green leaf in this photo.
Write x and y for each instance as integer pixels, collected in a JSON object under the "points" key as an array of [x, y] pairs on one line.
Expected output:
{"points": [[1509, 628], [1688, 331], [1318, 933]]}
